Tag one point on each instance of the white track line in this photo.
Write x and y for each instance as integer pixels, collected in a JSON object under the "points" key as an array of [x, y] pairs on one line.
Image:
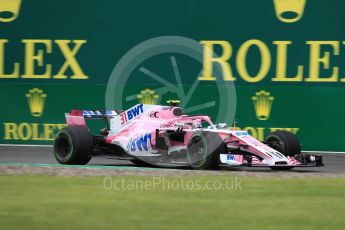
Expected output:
{"points": [[331, 152]]}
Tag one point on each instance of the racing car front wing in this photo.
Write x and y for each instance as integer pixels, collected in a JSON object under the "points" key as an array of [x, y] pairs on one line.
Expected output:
{"points": [[237, 156]]}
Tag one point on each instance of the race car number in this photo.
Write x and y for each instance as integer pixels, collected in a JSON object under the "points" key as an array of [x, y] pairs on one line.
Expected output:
{"points": [[123, 118], [131, 113]]}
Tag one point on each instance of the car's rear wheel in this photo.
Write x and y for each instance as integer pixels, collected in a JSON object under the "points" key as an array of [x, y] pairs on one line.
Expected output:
{"points": [[73, 146], [286, 143], [203, 150]]}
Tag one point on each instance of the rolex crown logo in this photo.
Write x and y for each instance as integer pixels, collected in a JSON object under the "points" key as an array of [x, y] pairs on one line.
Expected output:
{"points": [[262, 104], [36, 99], [289, 11], [148, 96], [9, 10]]}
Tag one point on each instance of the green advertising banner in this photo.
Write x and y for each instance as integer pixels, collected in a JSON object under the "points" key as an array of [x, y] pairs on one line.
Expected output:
{"points": [[263, 65]]}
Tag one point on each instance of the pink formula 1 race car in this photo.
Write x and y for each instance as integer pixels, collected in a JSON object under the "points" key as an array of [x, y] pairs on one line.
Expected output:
{"points": [[164, 136]]}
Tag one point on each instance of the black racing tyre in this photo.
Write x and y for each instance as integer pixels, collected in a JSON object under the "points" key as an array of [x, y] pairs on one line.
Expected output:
{"points": [[285, 142], [203, 150], [73, 146]]}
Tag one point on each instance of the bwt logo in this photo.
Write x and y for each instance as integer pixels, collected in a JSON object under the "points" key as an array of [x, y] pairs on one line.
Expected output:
{"points": [[230, 157], [141, 143], [241, 133], [131, 113]]}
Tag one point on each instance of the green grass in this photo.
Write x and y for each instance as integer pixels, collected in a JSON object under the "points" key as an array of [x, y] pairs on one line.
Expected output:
{"points": [[49, 202]]}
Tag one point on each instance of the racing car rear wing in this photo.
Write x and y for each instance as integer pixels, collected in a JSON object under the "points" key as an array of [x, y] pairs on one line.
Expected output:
{"points": [[95, 113], [77, 117]]}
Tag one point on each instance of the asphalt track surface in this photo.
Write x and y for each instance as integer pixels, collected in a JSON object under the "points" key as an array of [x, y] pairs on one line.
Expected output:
{"points": [[36, 155]]}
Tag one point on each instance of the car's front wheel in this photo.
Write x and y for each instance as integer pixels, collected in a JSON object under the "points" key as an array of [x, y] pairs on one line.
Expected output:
{"points": [[284, 142]]}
